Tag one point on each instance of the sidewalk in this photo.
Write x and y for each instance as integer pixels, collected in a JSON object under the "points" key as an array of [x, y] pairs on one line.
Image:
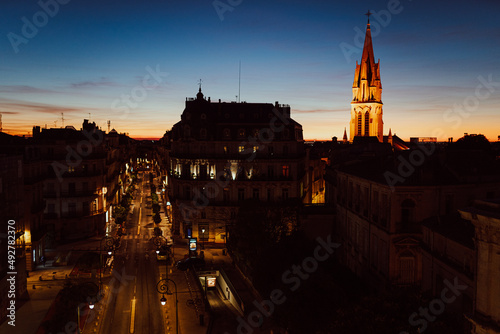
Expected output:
{"points": [[45, 282], [42, 294]]}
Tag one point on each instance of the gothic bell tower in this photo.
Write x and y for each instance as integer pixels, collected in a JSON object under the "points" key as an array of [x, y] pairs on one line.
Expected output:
{"points": [[366, 105]]}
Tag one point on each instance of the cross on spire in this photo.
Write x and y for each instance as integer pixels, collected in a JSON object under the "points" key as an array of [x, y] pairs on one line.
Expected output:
{"points": [[368, 15]]}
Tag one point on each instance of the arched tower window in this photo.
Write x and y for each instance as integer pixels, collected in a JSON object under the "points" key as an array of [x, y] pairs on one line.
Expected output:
{"points": [[360, 116], [367, 123]]}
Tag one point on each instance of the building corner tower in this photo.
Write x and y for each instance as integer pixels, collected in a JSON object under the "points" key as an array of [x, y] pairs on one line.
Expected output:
{"points": [[366, 104]]}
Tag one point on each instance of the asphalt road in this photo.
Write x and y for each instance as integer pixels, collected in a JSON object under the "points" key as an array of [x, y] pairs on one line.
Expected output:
{"points": [[134, 304]]}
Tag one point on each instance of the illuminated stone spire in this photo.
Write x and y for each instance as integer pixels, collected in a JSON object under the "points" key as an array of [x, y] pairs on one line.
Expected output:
{"points": [[366, 104]]}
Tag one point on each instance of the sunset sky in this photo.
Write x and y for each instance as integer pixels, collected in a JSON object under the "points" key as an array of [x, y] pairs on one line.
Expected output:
{"points": [[135, 62]]}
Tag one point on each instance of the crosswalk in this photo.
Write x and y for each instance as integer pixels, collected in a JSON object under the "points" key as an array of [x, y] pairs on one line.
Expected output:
{"points": [[136, 236]]}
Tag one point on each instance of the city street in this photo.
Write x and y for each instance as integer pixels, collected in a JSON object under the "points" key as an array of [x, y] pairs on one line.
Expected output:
{"points": [[134, 305]]}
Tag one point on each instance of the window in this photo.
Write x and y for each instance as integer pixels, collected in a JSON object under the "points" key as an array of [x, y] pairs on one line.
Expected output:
{"points": [[255, 149], [72, 209], [286, 171], [367, 123], [270, 171], [284, 193], [270, 150], [359, 123], [256, 193], [225, 194], [86, 208], [241, 132], [227, 133], [187, 192], [269, 194], [226, 151], [241, 148], [407, 213], [407, 267], [241, 194], [448, 202]]}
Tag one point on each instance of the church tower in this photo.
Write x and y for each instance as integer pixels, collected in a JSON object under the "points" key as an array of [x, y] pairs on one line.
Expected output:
{"points": [[366, 105]]}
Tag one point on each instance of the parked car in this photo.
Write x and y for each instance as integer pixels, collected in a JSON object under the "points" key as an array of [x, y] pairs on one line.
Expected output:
{"points": [[195, 262]]}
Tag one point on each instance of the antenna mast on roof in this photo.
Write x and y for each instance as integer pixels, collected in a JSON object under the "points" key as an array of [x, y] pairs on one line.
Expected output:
{"points": [[62, 119], [109, 124], [239, 84]]}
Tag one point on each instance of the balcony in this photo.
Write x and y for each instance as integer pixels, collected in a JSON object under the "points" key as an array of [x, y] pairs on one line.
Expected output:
{"points": [[78, 193], [78, 173], [33, 179], [50, 215], [81, 214], [38, 207]]}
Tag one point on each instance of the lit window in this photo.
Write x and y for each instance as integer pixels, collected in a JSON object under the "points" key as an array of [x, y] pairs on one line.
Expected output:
{"points": [[286, 171], [255, 149], [241, 132], [225, 150], [241, 148]]}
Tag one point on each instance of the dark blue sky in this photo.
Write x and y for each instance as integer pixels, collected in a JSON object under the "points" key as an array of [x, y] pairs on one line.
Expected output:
{"points": [[91, 55]]}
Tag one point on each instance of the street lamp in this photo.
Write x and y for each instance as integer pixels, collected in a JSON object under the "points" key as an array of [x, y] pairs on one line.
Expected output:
{"points": [[161, 241], [90, 289], [162, 287], [203, 238], [109, 244]]}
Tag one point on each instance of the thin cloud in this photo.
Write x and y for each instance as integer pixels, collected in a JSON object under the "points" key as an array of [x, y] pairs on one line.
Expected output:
{"points": [[23, 89], [103, 82], [24, 107], [318, 111]]}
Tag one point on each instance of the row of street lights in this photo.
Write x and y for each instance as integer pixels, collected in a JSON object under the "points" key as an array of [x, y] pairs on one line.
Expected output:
{"points": [[162, 285]]}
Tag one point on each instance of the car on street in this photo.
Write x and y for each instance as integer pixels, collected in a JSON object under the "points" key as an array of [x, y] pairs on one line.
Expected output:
{"points": [[196, 262]]}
